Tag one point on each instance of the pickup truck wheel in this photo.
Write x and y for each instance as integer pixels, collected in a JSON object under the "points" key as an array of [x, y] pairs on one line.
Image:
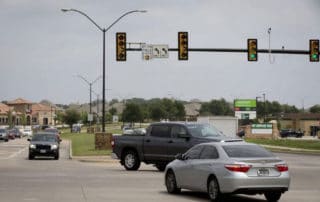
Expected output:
{"points": [[131, 160]]}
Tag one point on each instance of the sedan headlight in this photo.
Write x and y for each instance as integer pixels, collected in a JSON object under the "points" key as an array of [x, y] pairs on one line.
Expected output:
{"points": [[32, 146], [54, 147]]}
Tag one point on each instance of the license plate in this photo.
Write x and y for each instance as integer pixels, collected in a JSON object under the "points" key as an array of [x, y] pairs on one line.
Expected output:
{"points": [[43, 151], [263, 172]]}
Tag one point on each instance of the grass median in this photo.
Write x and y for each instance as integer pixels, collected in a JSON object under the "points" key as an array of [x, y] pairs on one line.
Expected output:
{"points": [[291, 143], [83, 144]]}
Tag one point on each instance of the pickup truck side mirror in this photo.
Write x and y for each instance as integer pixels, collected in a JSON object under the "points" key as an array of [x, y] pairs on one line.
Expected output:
{"points": [[183, 135], [179, 157], [29, 139]]}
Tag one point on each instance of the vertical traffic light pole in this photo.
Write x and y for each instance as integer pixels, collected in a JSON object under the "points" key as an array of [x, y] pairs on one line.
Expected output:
{"points": [[104, 80]]}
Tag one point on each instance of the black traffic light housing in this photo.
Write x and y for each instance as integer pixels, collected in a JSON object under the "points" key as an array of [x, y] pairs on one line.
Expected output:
{"points": [[183, 45], [314, 50], [252, 50], [121, 50]]}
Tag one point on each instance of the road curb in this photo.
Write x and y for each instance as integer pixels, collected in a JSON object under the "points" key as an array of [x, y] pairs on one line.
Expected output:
{"points": [[70, 149], [291, 150]]}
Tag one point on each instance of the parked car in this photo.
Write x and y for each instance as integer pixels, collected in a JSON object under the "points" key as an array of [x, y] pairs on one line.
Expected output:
{"points": [[27, 132], [4, 135], [16, 132], [44, 144], [11, 134], [54, 131], [228, 168], [290, 133], [161, 143]]}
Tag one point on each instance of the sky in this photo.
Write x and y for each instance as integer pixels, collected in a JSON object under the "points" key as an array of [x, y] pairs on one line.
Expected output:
{"points": [[42, 50]]}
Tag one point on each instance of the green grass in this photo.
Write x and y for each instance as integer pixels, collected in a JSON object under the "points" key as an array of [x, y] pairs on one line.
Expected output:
{"points": [[83, 144], [300, 144]]}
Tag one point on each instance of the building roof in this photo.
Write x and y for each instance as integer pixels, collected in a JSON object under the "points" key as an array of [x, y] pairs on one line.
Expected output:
{"points": [[19, 101], [35, 108], [4, 109], [307, 116]]}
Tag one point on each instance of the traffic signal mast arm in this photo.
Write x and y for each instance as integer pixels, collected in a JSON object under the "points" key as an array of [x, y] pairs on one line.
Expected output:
{"points": [[234, 50]]}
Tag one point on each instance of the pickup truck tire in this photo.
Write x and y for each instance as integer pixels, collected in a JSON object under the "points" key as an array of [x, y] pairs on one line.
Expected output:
{"points": [[161, 166], [131, 160]]}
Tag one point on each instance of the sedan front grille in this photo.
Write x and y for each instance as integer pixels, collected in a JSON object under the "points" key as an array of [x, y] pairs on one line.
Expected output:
{"points": [[40, 146]]}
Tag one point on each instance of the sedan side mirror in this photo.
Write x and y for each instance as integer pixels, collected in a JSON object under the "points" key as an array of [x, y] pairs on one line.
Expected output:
{"points": [[179, 157]]}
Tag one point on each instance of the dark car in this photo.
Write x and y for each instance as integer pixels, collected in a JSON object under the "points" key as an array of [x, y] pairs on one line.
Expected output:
{"points": [[11, 134], [4, 135], [44, 144], [290, 133], [16, 132], [54, 131]]}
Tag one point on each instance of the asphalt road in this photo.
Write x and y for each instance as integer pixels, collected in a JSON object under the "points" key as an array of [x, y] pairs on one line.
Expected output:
{"points": [[70, 180]]}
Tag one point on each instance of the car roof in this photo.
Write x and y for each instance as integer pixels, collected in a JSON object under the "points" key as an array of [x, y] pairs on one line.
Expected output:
{"points": [[177, 123], [44, 133], [228, 142]]}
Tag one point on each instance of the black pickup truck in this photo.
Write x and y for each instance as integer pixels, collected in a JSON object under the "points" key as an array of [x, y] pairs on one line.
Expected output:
{"points": [[161, 143]]}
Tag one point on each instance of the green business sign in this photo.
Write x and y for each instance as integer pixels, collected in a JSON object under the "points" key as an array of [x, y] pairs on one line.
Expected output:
{"points": [[262, 126], [249, 103]]}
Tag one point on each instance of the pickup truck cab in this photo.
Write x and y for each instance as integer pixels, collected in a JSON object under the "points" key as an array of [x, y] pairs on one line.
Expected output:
{"points": [[161, 143]]}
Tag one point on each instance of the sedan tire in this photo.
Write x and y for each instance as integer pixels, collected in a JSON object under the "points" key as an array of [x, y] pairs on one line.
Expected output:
{"points": [[213, 190], [131, 160], [171, 183], [272, 196]]}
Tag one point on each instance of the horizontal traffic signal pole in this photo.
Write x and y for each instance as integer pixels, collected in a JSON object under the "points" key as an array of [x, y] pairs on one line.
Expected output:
{"points": [[232, 50]]}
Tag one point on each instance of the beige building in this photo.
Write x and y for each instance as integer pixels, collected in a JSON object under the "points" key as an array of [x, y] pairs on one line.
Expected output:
{"points": [[4, 112], [24, 112], [43, 114], [307, 122]]}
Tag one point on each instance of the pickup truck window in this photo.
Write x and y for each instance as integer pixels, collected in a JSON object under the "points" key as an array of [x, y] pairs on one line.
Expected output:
{"points": [[160, 131], [177, 130], [203, 130]]}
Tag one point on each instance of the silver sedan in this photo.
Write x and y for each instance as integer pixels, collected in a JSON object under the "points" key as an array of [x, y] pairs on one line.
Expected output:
{"points": [[228, 168]]}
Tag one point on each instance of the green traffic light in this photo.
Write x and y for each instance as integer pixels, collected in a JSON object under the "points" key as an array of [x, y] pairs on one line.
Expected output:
{"points": [[253, 56], [314, 56]]}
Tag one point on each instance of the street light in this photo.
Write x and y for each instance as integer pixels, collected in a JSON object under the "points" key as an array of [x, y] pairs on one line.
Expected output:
{"points": [[90, 87], [104, 30]]}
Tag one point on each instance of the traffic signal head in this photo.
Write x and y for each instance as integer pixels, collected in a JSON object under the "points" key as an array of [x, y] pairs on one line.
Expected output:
{"points": [[121, 51], [183, 45], [252, 50], [314, 50]]}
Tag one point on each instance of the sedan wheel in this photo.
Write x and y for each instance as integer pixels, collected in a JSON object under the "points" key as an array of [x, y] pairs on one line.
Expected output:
{"points": [[272, 196], [171, 183], [213, 190]]}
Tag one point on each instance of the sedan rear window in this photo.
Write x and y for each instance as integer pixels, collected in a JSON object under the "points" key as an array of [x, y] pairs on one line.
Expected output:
{"points": [[246, 151]]}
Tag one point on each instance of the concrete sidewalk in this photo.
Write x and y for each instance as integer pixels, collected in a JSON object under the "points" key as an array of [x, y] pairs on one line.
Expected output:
{"points": [[101, 159]]}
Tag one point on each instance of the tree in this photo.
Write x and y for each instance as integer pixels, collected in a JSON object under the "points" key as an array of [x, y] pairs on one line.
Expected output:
{"points": [[71, 116], [113, 111], [23, 119], [113, 101], [132, 113], [157, 112], [216, 107], [181, 113], [315, 109]]}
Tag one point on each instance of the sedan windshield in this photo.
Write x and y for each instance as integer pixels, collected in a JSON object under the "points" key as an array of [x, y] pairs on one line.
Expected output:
{"points": [[44, 138], [203, 130], [246, 151]]}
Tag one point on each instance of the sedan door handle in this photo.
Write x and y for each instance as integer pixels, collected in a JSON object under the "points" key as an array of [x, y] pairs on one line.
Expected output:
{"points": [[148, 141]]}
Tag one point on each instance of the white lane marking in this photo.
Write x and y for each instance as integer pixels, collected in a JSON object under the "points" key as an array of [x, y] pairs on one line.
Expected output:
{"points": [[16, 153]]}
